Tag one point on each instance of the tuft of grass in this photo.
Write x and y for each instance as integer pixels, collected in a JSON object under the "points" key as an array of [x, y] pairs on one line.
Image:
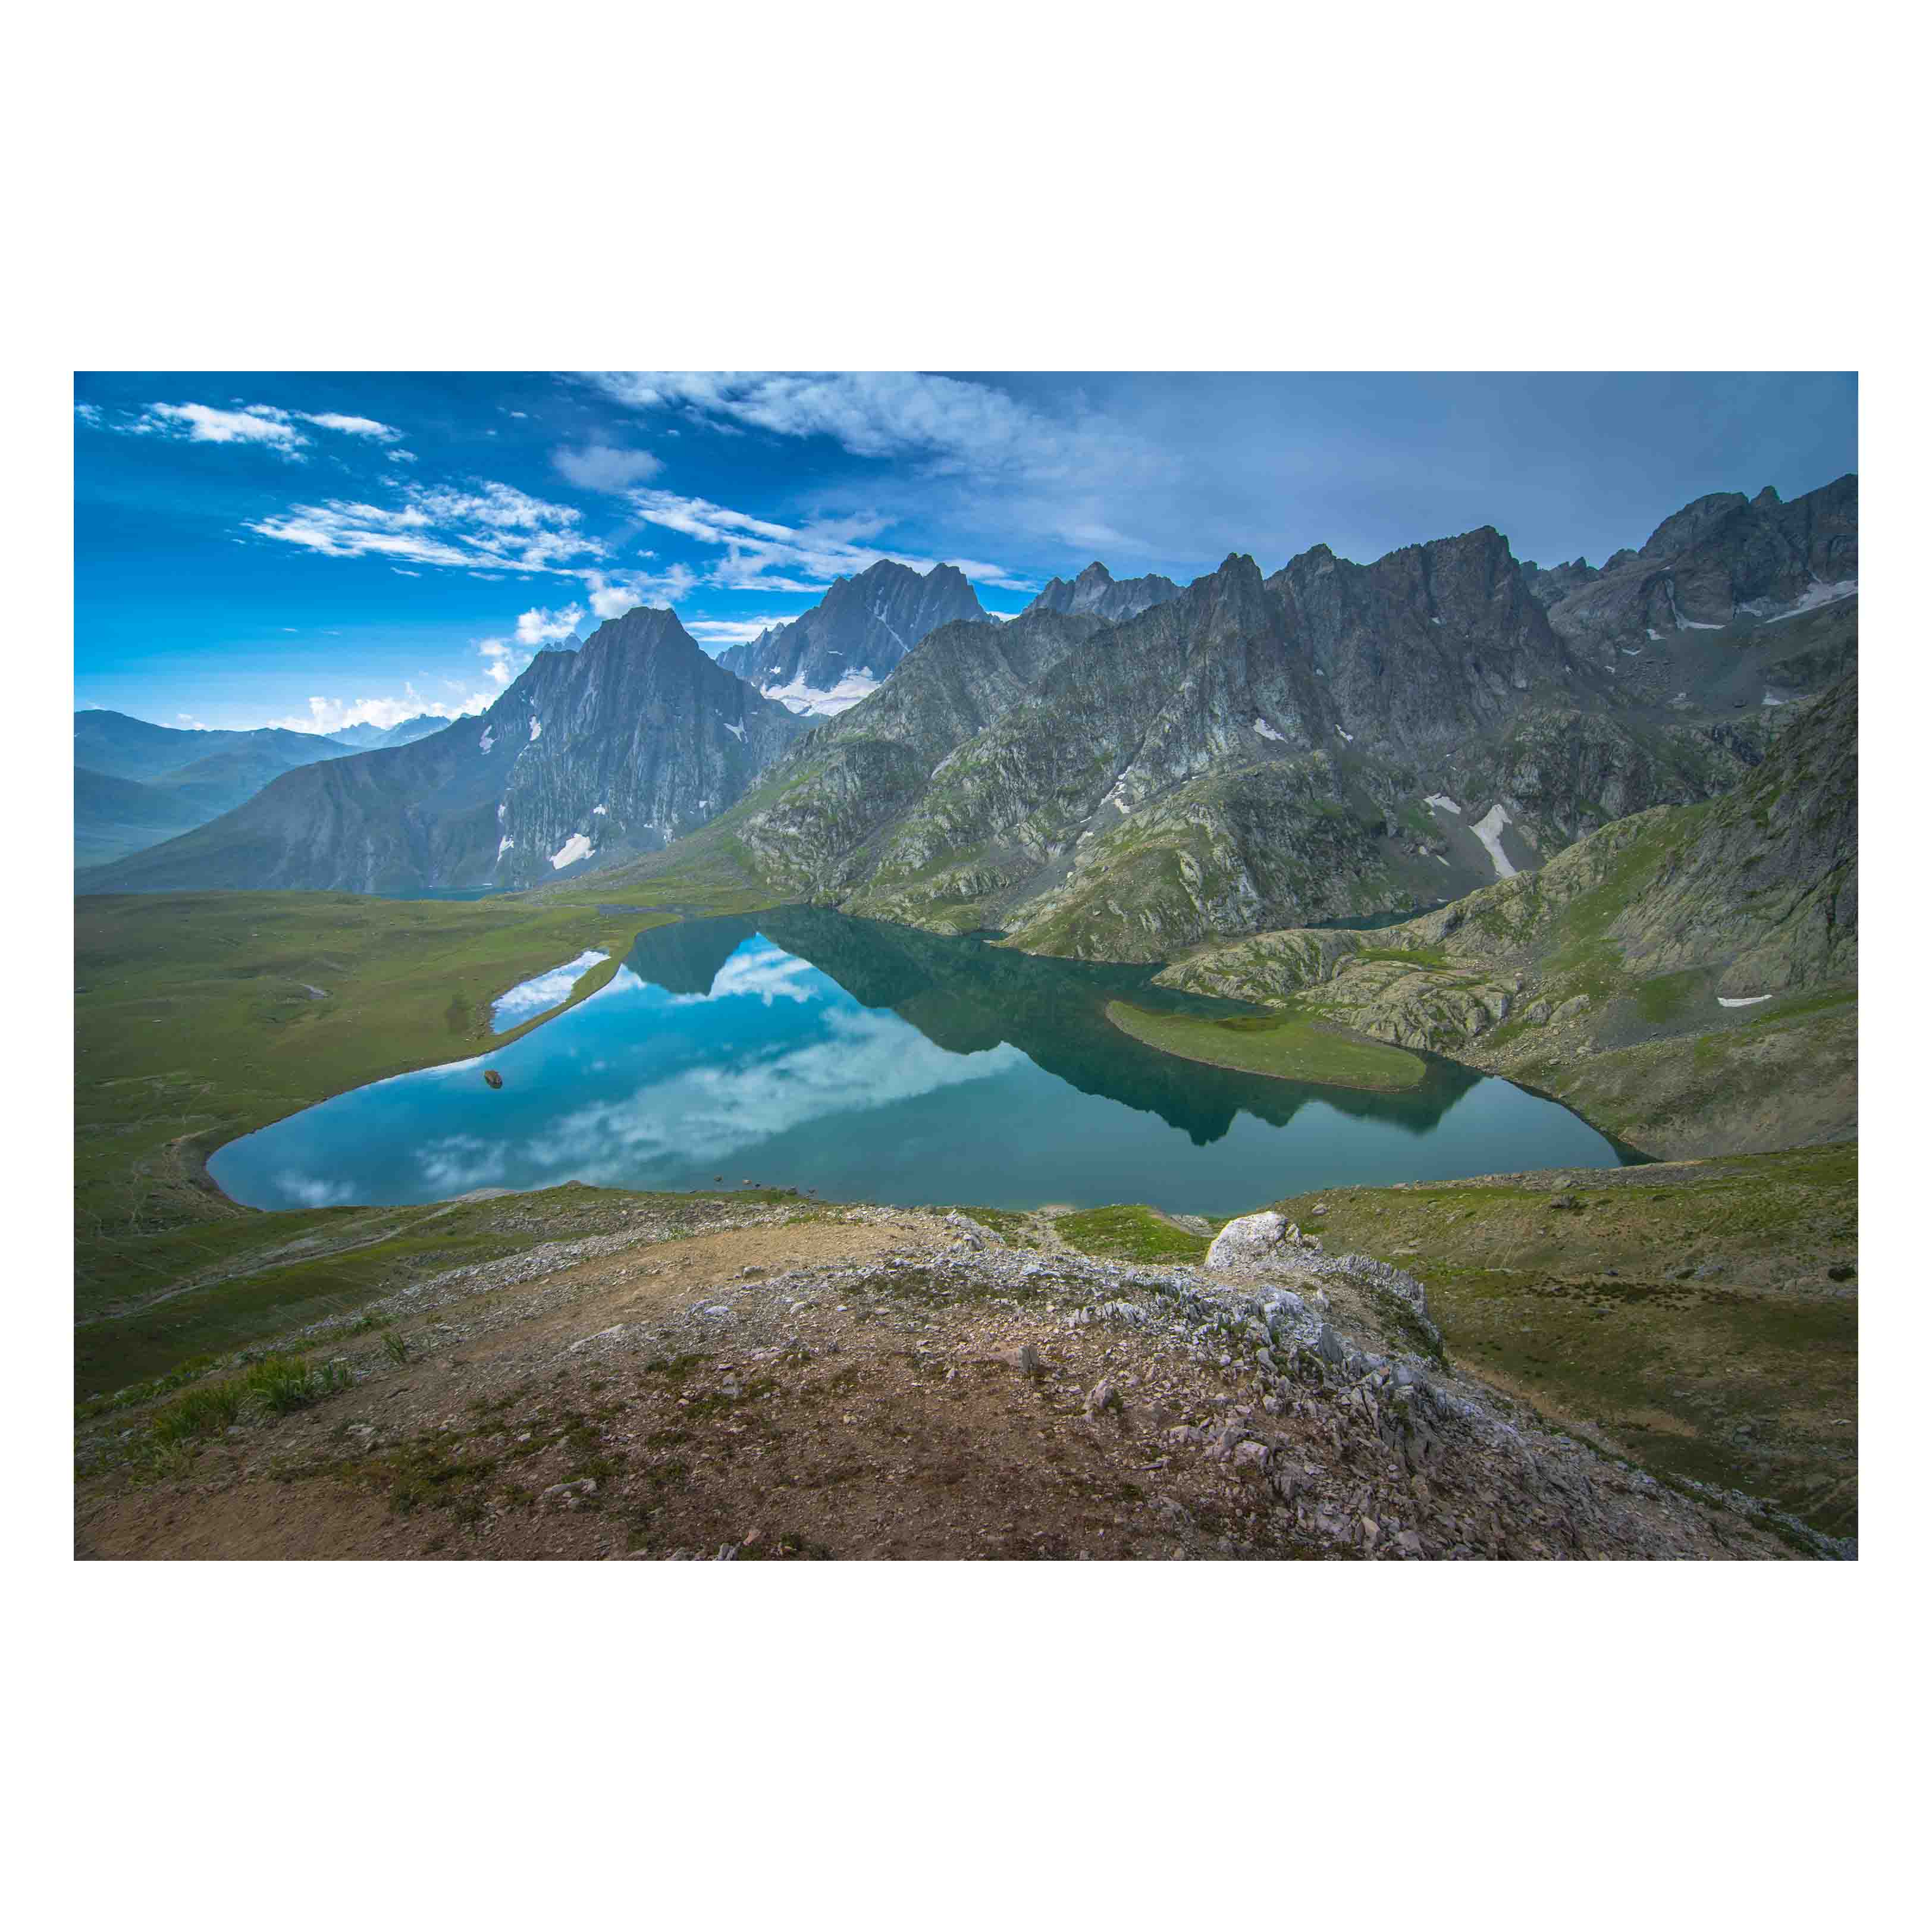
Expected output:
{"points": [[276, 1385], [1130, 1233]]}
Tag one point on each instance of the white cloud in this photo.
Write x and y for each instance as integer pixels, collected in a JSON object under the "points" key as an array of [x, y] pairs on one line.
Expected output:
{"points": [[549, 627], [502, 661], [195, 422], [720, 632], [761, 555], [948, 422], [367, 426], [401, 572], [601, 467], [402, 456], [90, 414], [611, 596], [488, 526]]}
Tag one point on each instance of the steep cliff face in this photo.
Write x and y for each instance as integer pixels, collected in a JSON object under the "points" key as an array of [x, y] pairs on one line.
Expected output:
{"points": [[616, 748], [825, 661], [1426, 645]]}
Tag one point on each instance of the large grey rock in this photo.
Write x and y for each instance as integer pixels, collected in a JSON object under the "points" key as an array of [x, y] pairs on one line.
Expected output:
{"points": [[1252, 1240]]}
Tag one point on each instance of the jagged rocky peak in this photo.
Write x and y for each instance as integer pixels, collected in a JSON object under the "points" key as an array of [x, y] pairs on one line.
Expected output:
{"points": [[824, 661], [1723, 559], [1096, 592]]}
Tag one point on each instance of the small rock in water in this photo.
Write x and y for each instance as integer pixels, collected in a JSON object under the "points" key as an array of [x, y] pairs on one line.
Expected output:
{"points": [[491, 1078]]}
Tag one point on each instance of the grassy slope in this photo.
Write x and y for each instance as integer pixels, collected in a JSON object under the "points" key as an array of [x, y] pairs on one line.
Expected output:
{"points": [[193, 1025], [1284, 1046], [292, 1270], [1686, 1313]]}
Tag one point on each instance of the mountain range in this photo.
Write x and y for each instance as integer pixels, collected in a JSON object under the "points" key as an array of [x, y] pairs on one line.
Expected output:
{"points": [[614, 749], [1129, 769], [1335, 742], [374, 737], [137, 785]]}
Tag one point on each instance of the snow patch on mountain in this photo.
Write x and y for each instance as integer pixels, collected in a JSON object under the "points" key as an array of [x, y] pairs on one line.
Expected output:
{"points": [[574, 848], [806, 701], [1489, 830], [1817, 597]]}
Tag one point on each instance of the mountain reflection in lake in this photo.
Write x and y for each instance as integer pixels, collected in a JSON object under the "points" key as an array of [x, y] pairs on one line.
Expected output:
{"points": [[803, 1048]]}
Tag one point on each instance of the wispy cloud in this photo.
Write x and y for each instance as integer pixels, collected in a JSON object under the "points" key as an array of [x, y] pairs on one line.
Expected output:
{"points": [[488, 526], [762, 555], [196, 422], [364, 426], [263, 425], [720, 633], [947, 422], [602, 468], [611, 595]]}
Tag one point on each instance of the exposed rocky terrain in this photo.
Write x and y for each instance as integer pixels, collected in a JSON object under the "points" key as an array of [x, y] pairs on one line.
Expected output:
{"points": [[824, 661], [1687, 975], [619, 747], [1335, 741], [713, 1380]]}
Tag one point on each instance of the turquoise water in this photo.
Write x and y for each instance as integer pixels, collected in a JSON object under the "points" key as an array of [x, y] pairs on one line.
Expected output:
{"points": [[802, 1048]]}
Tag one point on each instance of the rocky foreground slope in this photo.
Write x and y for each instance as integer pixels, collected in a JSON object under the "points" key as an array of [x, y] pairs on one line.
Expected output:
{"points": [[713, 1378]]}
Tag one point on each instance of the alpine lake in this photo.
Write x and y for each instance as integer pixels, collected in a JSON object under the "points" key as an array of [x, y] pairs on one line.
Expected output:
{"points": [[800, 1048]]}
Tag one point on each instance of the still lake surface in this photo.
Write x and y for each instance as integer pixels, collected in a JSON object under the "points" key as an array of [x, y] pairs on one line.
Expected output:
{"points": [[803, 1048]]}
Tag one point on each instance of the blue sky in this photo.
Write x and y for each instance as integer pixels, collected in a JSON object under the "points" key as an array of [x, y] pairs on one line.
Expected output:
{"points": [[319, 551]]}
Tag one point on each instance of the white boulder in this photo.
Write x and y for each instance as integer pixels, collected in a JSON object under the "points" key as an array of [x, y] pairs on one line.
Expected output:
{"points": [[1254, 1240]]}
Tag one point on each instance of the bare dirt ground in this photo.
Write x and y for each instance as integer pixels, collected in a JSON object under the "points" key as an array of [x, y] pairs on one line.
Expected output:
{"points": [[867, 1383]]}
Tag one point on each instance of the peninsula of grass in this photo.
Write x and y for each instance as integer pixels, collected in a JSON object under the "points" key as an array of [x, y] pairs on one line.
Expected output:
{"points": [[1282, 1046]]}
